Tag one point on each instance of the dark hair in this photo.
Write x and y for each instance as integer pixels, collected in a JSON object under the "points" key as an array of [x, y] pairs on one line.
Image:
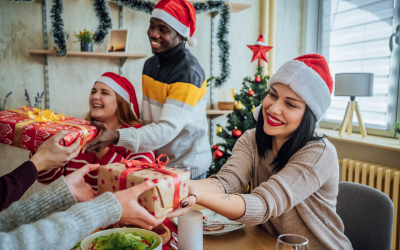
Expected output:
{"points": [[303, 134]]}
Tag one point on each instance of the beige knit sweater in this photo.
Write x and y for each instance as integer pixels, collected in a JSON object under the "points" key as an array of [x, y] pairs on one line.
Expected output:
{"points": [[300, 199]]}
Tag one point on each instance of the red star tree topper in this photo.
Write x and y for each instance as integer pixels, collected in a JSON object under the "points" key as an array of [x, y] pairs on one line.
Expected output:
{"points": [[260, 50]]}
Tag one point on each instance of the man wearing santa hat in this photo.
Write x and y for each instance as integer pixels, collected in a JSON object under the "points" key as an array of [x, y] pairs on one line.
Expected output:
{"points": [[174, 95]]}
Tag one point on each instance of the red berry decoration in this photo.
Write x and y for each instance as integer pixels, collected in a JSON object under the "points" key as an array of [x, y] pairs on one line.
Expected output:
{"points": [[257, 79], [236, 133], [218, 154], [215, 147], [251, 92]]}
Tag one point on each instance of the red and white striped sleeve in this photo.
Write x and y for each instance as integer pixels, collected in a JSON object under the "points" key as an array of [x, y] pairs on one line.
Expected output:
{"points": [[48, 176]]}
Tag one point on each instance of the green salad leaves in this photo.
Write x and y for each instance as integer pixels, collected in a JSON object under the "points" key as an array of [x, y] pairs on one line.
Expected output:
{"points": [[122, 241]]}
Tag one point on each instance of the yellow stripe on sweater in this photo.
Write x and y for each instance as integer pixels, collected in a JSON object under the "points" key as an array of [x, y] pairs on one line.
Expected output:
{"points": [[179, 91]]}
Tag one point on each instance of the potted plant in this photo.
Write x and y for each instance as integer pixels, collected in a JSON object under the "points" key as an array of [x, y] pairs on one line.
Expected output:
{"points": [[86, 39], [397, 130]]}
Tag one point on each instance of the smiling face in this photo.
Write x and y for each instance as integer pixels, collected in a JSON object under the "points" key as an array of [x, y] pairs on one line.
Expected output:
{"points": [[283, 111], [103, 103], [162, 37]]}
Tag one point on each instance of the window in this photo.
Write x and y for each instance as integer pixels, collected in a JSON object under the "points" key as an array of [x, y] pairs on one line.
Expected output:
{"points": [[353, 35]]}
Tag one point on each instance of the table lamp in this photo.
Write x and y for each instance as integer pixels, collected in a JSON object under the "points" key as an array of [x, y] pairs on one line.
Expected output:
{"points": [[353, 84]]}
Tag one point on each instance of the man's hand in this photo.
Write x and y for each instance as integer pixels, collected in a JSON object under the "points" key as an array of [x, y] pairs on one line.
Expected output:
{"points": [[52, 155], [105, 138], [76, 182], [132, 212], [186, 204]]}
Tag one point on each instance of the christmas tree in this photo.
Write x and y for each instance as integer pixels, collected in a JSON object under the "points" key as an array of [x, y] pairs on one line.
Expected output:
{"points": [[241, 119]]}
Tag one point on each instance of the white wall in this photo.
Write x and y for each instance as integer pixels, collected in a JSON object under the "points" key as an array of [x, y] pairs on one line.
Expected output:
{"points": [[72, 78]]}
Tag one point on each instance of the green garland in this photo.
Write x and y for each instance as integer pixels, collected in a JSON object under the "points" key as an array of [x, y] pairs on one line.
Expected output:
{"points": [[58, 27], [103, 14], [21, 1]]}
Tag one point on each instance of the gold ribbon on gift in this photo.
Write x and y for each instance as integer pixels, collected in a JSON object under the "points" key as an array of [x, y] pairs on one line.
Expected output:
{"points": [[40, 115]]}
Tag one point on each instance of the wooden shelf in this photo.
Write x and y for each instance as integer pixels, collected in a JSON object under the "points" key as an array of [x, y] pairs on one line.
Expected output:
{"points": [[82, 54], [215, 112], [369, 140]]}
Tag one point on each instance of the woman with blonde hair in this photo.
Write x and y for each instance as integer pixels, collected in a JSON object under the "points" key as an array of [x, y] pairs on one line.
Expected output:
{"points": [[113, 102]]}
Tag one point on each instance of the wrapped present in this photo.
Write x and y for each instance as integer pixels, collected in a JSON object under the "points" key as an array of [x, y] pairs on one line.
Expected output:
{"points": [[171, 189], [28, 128]]}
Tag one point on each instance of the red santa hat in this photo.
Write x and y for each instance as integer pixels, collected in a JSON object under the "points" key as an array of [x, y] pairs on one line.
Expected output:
{"points": [[260, 41], [309, 77], [180, 15], [122, 87]]}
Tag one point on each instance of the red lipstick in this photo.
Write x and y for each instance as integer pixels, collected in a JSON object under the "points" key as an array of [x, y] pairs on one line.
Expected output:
{"points": [[272, 123]]}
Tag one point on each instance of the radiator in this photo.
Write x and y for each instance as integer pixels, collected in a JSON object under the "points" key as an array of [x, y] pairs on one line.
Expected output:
{"points": [[383, 178]]}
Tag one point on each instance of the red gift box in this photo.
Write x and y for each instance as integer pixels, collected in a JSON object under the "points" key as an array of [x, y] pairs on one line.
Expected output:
{"points": [[23, 130]]}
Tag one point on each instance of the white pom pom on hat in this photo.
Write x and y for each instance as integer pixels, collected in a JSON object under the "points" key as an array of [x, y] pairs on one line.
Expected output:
{"points": [[192, 41]]}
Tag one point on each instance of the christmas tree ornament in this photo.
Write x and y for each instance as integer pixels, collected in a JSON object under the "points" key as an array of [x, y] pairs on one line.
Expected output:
{"points": [[215, 147], [250, 92], [218, 154], [236, 133], [219, 130], [260, 50], [239, 106], [257, 79], [252, 110]]}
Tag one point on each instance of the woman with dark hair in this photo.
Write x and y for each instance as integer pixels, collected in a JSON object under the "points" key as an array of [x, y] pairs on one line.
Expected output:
{"points": [[293, 172]]}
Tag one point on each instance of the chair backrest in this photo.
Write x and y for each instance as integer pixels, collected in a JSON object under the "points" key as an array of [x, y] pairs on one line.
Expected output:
{"points": [[367, 215]]}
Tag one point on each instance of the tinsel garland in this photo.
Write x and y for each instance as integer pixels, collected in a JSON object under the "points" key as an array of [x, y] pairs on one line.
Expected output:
{"points": [[222, 35], [58, 27], [103, 14], [21, 1]]}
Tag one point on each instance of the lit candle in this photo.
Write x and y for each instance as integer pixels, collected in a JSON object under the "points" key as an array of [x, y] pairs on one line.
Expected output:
{"points": [[190, 226]]}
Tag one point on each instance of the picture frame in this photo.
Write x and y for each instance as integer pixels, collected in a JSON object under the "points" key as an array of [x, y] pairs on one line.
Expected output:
{"points": [[118, 41]]}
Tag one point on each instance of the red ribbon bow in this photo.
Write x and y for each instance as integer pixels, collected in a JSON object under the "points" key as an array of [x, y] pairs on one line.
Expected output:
{"points": [[157, 164]]}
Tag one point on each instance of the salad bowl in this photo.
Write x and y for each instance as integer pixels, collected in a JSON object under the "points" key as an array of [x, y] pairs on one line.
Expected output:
{"points": [[87, 242]]}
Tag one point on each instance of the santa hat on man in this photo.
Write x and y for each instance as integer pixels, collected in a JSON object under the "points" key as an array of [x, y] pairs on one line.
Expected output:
{"points": [[309, 77], [180, 15], [122, 87]]}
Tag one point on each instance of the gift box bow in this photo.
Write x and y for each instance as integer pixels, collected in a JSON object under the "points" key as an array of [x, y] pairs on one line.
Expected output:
{"points": [[40, 115], [157, 165]]}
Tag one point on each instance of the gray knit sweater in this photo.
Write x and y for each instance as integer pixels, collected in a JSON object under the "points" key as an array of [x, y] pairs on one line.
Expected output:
{"points": [[52, 219], [300, 199]]}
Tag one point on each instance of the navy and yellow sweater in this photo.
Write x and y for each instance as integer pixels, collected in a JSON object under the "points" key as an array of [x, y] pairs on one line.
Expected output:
{"points": [[174, 107]]}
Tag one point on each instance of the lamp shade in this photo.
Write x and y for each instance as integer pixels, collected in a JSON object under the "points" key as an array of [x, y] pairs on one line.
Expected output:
{"points": [[354, 84]]}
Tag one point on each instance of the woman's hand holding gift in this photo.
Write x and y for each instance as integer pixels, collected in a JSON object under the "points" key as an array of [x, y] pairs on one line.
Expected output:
{"points": [[52, 155], [132, 211], [186, 203], [76, 182]]}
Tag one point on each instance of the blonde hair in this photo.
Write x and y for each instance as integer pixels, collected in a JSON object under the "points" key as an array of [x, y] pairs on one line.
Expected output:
{"points": [[124, 113]]}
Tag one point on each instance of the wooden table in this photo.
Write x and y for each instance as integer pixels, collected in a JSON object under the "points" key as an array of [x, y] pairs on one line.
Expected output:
{"points": [[248, 237]]}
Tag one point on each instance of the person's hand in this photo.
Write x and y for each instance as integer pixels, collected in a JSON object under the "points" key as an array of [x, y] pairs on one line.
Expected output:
{"points": [[76, 182], [186, 203], [52, 155], [132, 211], [105, 138]]}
